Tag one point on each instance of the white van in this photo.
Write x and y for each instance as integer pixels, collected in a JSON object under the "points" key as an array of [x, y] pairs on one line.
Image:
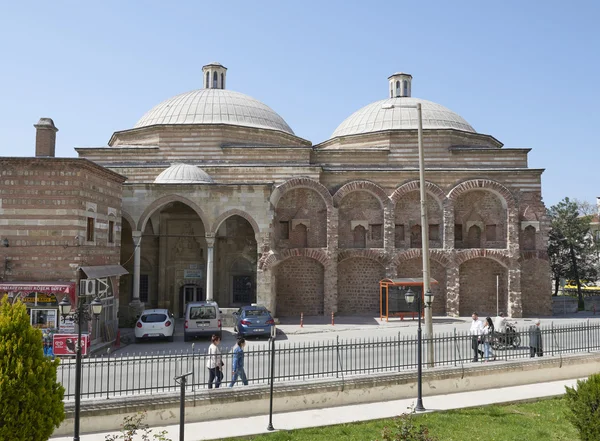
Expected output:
{"points": [[202, 319]]}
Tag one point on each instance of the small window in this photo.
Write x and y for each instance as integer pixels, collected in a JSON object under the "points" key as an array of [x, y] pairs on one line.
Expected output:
{"points": [[284, 230], [359, 237], [458, 232], [415, 236], [207, 80], [434, 232], [376, 231], [215, 80], [89, 236], [490, 233], [203, 313], [111, 231], [222, 81], [144, 287], [398, 91], [405, 88], [154, 318]]}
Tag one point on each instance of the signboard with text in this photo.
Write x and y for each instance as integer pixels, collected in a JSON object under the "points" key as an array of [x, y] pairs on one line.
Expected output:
{"points": [[65, 344]]}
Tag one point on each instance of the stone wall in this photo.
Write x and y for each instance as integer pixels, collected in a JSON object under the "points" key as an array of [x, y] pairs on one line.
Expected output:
{"points": [[300, 287], [414, 268], [482, 220], [536, 287], [296, 208], [407, 216], [363, 207], [478, 287], [358, 286]]}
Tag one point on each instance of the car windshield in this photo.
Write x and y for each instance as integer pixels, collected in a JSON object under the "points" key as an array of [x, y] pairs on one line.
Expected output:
{"points": [[154, 318], [256, 312], [203, 312]]}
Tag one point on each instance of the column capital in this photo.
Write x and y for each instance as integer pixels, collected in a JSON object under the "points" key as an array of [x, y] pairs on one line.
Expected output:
{"points": [[137, 236], [210, 239]]}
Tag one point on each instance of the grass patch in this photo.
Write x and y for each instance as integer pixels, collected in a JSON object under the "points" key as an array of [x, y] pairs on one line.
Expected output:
{"points": [[539, 421]]}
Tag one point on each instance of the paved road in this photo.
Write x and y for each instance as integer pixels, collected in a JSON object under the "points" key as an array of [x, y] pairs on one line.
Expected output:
{"points": [[298, 357]]}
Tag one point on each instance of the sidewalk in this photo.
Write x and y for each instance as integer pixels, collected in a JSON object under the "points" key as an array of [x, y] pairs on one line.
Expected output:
{"points": [[238, 427]]}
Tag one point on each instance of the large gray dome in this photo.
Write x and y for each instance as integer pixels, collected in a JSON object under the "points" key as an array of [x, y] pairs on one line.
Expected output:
{"points": [[390, 114], [183, 174], [215, 106]]}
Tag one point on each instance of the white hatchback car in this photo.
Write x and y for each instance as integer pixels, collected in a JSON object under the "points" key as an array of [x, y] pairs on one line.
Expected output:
{"points": [[155, 323]]}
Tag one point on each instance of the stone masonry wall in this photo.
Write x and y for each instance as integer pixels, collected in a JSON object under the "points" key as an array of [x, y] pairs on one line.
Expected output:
{"points": [[408, 214], [360, 206], [414, 268], [296, 205], [484, 209], [358, 286], [478, 287], [300, 287], [536, 288]]}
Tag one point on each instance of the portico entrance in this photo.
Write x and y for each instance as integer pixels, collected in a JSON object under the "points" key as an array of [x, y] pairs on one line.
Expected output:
{"points": [[189, 293]]}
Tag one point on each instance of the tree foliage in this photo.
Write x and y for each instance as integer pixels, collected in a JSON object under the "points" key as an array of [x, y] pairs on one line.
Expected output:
{"points": [[570, 246], [584, 407], [31, 400]]}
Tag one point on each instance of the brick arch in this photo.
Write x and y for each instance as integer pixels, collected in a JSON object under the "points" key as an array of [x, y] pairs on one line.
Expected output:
{"points": [[411, 186], [371, 254], [274, 259], [436, 255], [234, 212], [497, 255], [158, 203], [484, 184], [301, 182], [129, 219], [367, 186]]}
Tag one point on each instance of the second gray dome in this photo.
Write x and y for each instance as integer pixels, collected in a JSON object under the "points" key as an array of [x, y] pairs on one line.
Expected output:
{"points": [[183, 174]]}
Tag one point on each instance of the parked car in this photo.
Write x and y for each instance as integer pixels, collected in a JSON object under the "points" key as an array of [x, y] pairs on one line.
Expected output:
{"points": [[202, 319], [253, 320], [155, 323]]}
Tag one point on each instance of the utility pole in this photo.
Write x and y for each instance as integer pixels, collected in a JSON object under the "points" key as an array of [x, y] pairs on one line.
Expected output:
{"points": [[425, 241]]}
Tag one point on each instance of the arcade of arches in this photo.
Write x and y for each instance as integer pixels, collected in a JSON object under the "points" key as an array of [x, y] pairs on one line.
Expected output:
{"points": [[320, 257]]}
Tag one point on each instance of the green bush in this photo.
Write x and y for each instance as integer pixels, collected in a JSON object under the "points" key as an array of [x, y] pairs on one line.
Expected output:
{"points": [[584, 407], [31, 400], [134, 424], [405, 429]]}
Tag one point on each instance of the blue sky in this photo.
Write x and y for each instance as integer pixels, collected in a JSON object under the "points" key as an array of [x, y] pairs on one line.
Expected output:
{"points": [[524, 72]]}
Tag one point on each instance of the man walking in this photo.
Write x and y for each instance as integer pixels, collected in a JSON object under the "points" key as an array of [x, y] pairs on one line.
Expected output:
{"points": [[535, 340], [476, 331]]}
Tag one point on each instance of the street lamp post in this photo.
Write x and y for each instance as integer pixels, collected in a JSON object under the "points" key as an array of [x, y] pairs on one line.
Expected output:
{"points": [[80, 314], [410, 298]]}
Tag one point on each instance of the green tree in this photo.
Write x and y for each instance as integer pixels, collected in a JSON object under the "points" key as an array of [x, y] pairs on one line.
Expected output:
{"points": [[570, 246], [31, 400]]}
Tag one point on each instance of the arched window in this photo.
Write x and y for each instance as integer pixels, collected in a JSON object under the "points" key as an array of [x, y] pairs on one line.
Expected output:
{"points": [[360, 237], [474, 237], [398, 91], [415, 237], [215, 77], [405, 88], [207, 80], [222, 81], [529, 238], [392, 92], [299, 237]]}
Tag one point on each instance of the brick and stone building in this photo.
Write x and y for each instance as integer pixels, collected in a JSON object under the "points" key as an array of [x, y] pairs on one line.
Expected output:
{"points": [[59, 218], [224, 201]]}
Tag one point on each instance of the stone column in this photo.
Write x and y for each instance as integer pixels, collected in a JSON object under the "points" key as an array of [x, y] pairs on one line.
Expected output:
{"points": [[389, 229], [448, 207], [265, 290], [137, 253], [515, 305], [513, 233], [330, 303], [453, 290], [210, 242]]}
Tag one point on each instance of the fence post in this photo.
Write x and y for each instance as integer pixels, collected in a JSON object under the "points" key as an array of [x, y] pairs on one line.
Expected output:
{"points": [[337, 356], [107, 373], [588, 336], [455, 346], [399, 353], [183, 380], [270, 426], [552, 331]]}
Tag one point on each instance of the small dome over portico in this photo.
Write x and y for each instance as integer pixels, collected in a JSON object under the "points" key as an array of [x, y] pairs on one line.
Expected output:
{"points": [[183, 174]]}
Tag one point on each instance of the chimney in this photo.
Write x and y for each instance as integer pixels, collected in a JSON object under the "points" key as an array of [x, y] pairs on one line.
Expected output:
{"points": [[45, 137]]}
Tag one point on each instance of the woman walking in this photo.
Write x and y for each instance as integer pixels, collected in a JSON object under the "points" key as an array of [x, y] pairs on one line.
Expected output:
{"points": [[488, 335], [214, 363], [238, 363]]}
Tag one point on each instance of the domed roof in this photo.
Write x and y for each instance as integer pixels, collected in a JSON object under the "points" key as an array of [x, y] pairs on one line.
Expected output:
{"points": [[183, 174], [391, 114], [215, 106]]}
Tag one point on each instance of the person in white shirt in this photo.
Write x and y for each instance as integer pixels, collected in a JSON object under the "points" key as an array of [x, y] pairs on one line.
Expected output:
{"points": [[500, 323], [476, 331], [214, 363]]}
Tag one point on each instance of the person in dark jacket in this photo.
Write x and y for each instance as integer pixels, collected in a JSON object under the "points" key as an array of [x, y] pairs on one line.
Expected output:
{"points": [[535, 340], [238, 363]]}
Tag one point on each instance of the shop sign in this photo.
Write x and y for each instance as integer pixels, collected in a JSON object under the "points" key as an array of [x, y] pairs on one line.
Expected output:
{"points": [[67, 326], [192, 274], [65, 344]]}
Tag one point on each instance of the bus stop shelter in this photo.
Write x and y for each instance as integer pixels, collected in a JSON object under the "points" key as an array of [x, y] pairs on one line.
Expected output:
{"points": [[391, 296]]}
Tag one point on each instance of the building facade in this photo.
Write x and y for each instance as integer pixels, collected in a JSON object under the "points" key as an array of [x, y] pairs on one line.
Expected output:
{"points": [[60, 221], [223, 201]]}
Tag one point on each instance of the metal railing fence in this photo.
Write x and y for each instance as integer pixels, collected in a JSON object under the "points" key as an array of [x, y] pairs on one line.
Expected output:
{"points": [[109, 376]]}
